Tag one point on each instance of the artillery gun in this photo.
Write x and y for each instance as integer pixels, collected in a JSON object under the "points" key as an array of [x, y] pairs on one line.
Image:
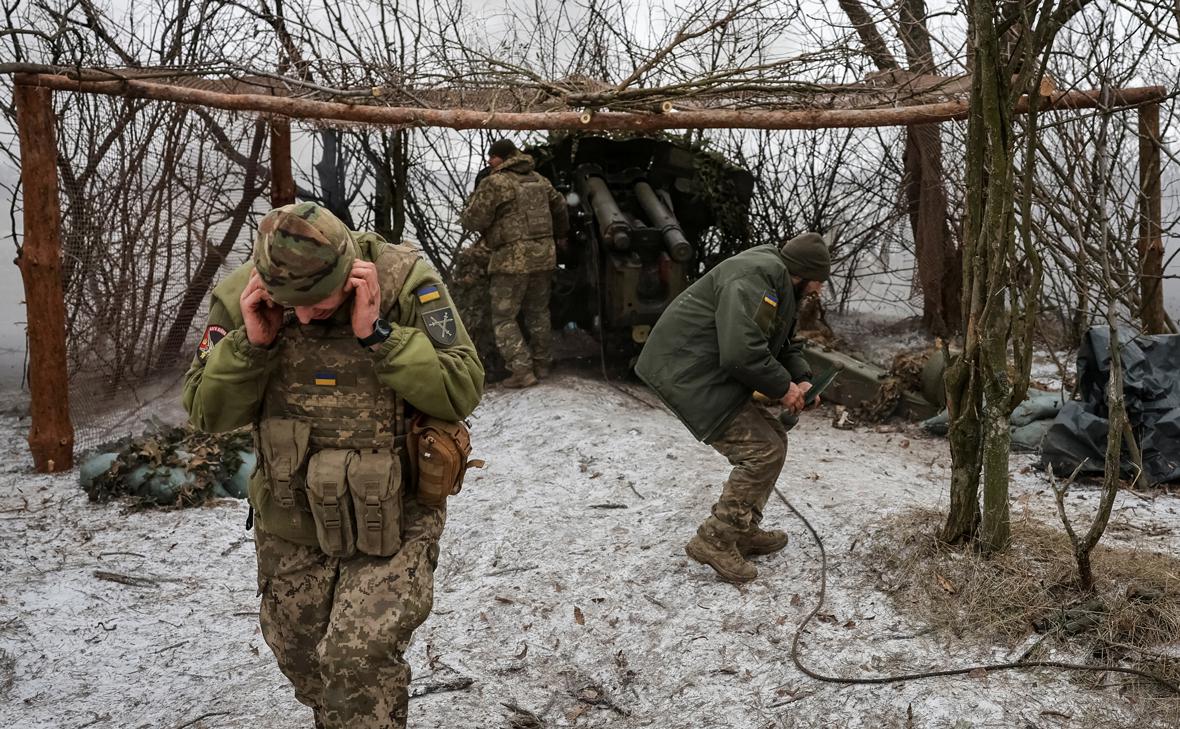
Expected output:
{"points": [[647, 216]]}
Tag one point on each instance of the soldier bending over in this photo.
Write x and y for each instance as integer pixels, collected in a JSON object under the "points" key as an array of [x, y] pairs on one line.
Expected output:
{"points": [[722, 339]]}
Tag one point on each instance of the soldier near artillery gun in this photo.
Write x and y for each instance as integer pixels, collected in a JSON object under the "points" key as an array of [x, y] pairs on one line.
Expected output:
{"points": [[346, 355], [519, 215], [725, 338]]}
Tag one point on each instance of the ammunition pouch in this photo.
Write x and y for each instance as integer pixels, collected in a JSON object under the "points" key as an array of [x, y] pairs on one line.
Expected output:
{"points": [[374, 480], [538, 219], [282, 445], [331, 507], [439, 451]]}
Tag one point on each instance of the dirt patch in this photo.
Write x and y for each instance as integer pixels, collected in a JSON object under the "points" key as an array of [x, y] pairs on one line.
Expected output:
{"points": [[1028, 594]]}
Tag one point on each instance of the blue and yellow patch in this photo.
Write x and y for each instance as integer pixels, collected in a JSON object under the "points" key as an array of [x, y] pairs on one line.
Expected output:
{"points": [[325, 379], [426, 294], [771, 299]]}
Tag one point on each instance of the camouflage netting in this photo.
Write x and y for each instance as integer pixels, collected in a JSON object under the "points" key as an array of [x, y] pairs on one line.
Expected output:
{"points": [[905, 374], [170, 467]]}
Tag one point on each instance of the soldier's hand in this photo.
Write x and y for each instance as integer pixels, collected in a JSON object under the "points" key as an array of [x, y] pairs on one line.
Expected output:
{"points": [[805, 387], [366, 297], [793, 400], [262, 316]]}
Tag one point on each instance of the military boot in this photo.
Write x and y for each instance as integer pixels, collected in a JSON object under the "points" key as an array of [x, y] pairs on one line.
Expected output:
{"points": [[709, 547], [761, 541], [520, 380], [542, 369]]}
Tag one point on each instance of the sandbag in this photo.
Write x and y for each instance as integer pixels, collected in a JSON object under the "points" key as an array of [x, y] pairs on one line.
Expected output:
{"points": [[170, 467]]}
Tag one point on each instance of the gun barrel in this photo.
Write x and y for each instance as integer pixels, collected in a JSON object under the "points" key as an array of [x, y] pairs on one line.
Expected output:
{"points": [[611, 222], [676, 244]]}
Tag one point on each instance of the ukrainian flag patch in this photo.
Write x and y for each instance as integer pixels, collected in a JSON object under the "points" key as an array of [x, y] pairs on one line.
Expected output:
{"points": [[325, 379], [771, 299], [426, 294]]}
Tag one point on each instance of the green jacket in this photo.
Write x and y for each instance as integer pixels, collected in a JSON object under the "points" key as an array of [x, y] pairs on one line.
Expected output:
{"points": [[224, 386], [722, 339]]}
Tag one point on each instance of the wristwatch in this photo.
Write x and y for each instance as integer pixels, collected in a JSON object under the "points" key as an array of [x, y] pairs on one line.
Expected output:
{"points": [[381, 332]]}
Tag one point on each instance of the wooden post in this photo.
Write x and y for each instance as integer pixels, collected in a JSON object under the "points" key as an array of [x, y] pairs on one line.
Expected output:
{"points": [[1151, 244], [282, 182], [51, 437]]}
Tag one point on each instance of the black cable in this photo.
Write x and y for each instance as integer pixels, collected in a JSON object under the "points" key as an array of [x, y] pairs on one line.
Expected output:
{"points": [[823, 589]]}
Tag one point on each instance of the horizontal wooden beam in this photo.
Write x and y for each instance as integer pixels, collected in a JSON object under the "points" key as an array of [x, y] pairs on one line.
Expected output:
{"points": [[569, 120]]}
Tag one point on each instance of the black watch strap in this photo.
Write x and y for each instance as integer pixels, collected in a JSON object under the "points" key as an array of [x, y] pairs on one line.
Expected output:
{"points": [[381, 332]]}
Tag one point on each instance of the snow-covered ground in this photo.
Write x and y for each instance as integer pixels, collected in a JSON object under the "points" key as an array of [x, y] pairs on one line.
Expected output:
{"points": [[563, 590]]}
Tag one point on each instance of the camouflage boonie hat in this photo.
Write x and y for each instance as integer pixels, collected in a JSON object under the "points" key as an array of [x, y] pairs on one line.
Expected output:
{"points": [[303, 253]]}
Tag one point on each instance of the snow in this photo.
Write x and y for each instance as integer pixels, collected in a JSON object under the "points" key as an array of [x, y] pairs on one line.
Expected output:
{"points": [[563, 589]]}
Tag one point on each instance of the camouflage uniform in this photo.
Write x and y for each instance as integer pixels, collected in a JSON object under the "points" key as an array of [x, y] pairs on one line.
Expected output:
{"points": [[470, 285], [338, 632], [755, 443], [346, 553], [519, 214]]}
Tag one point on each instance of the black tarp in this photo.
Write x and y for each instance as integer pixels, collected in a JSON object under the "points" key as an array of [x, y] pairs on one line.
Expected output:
{"points": [[1151, 388]]}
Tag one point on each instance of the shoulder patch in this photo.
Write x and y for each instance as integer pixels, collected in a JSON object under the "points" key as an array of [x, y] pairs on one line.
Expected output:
{"points": [[770, 298], [213, 335], [428, 293], [441, 325]]}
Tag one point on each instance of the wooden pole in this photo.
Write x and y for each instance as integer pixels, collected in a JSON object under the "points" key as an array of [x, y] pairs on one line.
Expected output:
{"points": [[584, 120], [51, 437], [282, 181], [1151, 243]]}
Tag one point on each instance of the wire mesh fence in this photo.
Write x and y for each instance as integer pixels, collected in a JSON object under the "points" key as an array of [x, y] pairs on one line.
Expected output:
{"points": [[156, 200]]}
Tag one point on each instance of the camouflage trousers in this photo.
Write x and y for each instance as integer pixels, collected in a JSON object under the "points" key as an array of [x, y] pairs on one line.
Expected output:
{"points": [[339, 628], [755, 443], [512, 293]]}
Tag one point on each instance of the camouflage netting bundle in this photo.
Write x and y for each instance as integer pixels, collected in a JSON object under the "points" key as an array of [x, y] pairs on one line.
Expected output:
{"points": [[905, 374], [170, 467]]}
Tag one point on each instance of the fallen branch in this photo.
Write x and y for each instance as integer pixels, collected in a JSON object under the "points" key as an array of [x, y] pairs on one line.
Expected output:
{"points": [[126, 579], [458, 684], [510, 570], [202, 717]]}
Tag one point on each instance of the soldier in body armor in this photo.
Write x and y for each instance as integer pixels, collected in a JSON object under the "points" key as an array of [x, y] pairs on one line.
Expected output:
{"points": [[327, 343], [519, 215]]}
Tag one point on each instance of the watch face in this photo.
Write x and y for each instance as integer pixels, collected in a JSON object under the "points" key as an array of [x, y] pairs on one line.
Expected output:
{"points": [[382, 327]]}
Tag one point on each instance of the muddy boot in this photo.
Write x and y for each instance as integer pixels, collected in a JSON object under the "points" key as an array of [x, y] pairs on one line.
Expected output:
{"points": [[520, 380], [708, 547], [542, 369], [762, 541]]}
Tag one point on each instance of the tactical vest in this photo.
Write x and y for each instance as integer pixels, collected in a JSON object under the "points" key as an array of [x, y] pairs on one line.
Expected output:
{"points": [[527, 215], [331, 436], [323, 377]]}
